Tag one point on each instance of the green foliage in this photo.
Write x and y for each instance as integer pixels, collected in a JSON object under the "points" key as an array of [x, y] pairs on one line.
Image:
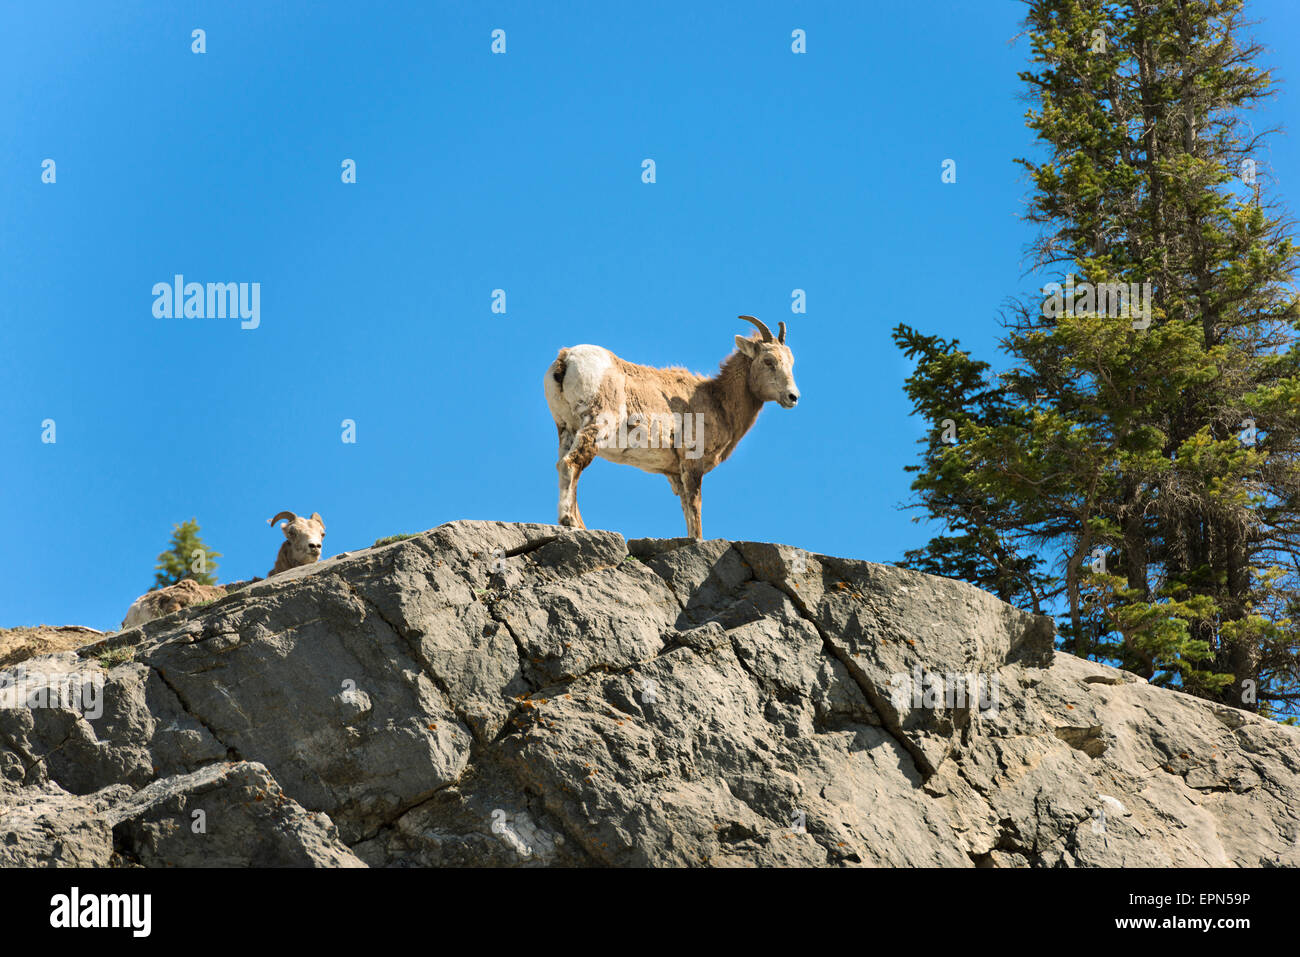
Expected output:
{"points": [[116, 656], [1170, 452], [186, 557], [392, 538]]}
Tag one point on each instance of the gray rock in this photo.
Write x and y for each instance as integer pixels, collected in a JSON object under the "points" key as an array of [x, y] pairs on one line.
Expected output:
{"points": [[42, 825], [532, 696], [224, 815]]}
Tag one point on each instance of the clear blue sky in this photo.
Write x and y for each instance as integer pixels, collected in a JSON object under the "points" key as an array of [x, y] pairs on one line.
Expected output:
{"points": [[477, 171]]}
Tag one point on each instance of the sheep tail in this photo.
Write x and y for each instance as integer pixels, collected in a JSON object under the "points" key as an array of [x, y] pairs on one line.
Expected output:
{"points": [[559, 367]]}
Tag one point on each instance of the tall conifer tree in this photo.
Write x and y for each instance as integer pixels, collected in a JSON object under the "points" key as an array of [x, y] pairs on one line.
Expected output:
{"points": [[186, 557], [1136, 474]]}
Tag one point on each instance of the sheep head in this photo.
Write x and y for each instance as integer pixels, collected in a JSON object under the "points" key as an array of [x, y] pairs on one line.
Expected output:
{"points": [[303, 540], [771, 365]]}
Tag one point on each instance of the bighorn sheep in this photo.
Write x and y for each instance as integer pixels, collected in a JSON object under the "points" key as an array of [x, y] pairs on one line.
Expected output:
{"points": [[302, 541], [669, 421], [164, 601]]}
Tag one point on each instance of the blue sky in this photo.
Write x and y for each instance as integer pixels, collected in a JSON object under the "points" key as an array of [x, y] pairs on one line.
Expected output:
{"points": [[475, 172]]}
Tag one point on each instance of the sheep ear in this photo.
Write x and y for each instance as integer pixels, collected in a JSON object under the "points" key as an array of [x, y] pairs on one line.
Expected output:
{"points": [[745, 345]]}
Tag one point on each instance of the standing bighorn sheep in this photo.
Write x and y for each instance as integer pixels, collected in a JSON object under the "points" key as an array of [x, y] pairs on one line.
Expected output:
{"points": [[302, 541], [669, 421]]}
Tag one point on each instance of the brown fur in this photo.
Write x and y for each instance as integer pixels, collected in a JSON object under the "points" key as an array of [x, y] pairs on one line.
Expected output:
{"points": [[729, 403], [165, 601], [303, 541]]}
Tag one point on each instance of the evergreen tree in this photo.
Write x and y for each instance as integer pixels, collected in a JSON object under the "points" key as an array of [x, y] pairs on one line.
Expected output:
{"points": [[1137, 475], [186, 557]]}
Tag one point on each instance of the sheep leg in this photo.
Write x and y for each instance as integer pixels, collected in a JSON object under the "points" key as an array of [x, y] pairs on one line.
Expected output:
{"points": [[690, 495], [568, 482], [581, 450]]}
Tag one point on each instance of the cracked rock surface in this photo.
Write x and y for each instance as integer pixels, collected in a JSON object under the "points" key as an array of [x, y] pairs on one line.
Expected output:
{"points": [[525, 695]]}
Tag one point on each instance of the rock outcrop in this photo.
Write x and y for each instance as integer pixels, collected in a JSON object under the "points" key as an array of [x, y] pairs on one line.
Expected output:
{"points": [[527, 695], [19, 644]]}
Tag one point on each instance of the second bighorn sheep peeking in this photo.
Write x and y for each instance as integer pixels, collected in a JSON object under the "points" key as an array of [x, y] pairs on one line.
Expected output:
{"points": [[302, 544], [669, 421]]}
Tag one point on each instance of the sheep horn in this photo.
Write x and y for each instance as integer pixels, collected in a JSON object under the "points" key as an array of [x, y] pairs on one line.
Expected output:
{"points": [[767, 333], [781, 335], [289, 515]]}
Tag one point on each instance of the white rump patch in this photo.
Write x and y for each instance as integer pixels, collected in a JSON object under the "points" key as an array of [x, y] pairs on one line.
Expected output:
{"points": [[585, 367]]}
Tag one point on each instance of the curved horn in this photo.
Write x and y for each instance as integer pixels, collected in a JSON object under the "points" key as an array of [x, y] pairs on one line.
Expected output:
{"points": [[767, 333], [289, 515], [781, 335]]}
